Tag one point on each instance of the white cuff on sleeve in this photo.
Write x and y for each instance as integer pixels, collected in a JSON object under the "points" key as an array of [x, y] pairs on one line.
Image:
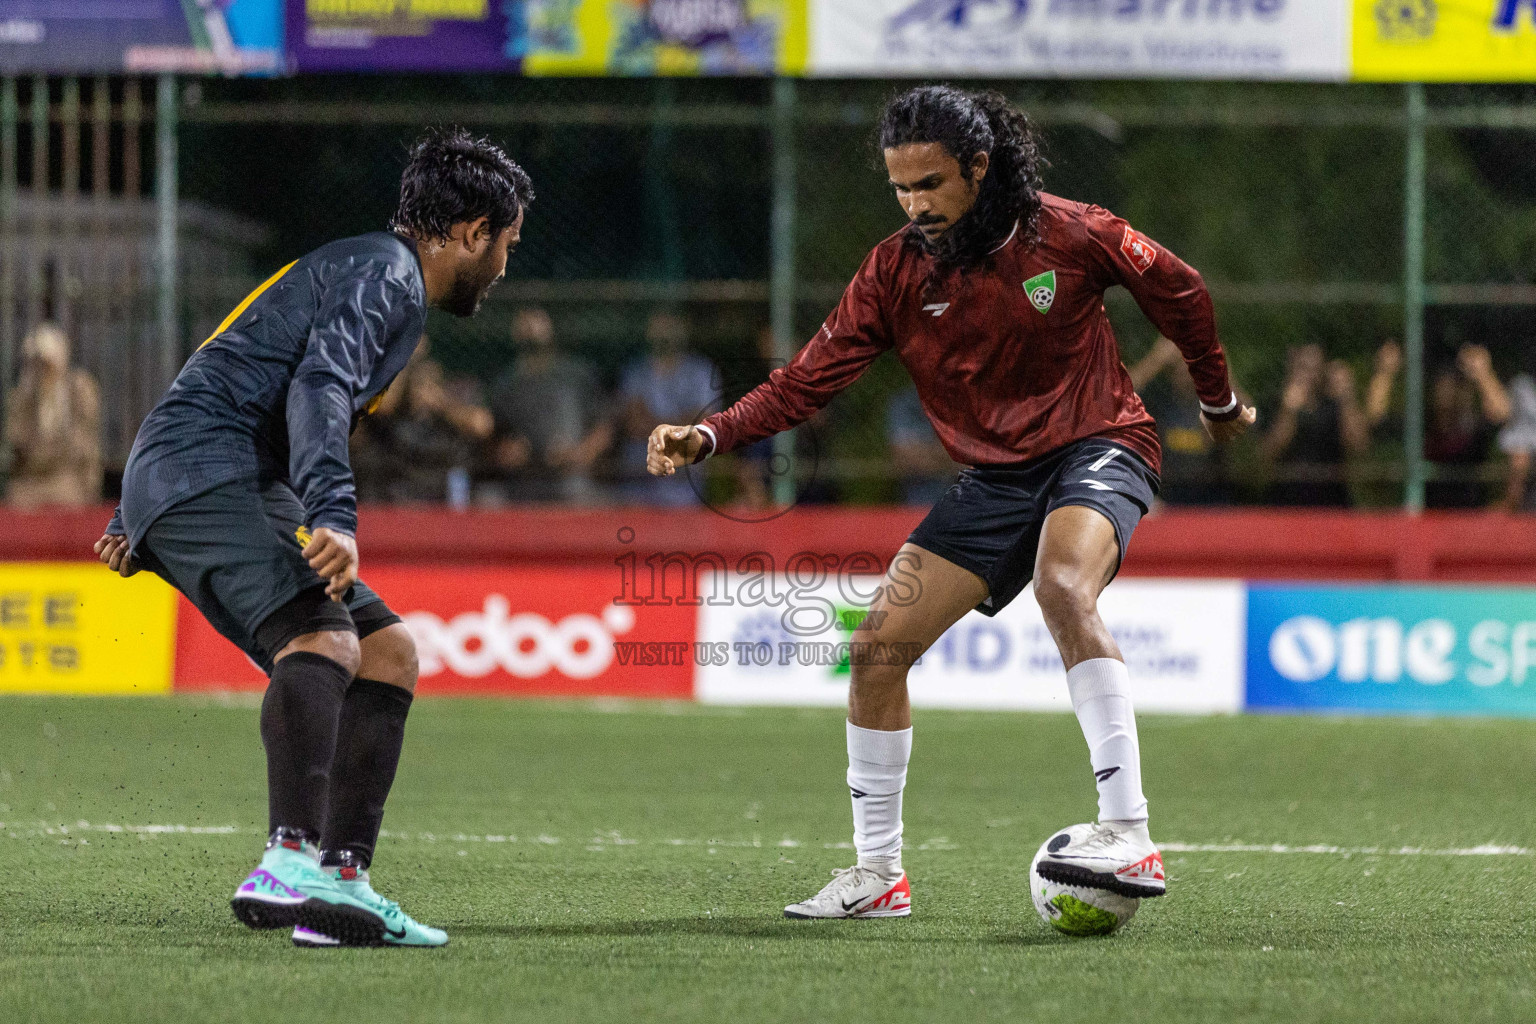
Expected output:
{"points": [[714, 442], [1212, 410]]}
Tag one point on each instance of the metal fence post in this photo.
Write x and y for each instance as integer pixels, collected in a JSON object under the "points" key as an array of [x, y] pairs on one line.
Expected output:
{"points": [[10, 117], [1413, 302], [165, 200], [781, 283]]}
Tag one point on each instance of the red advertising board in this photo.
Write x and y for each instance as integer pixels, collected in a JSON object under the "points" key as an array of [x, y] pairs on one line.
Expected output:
{"points": [[530, 631]]}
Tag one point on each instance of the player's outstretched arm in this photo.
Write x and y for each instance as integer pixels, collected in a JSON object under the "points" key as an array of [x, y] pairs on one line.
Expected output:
{"points": [[333, 555], [672, 446], [112, 549]]}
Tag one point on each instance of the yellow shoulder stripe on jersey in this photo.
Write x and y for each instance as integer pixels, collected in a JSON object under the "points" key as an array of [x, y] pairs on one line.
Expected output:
{"points": [[245, 303]]}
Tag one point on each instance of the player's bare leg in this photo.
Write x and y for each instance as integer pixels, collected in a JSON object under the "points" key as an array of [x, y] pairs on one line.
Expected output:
{"points": [[1077, 557], [922, 597], [369, 738]]}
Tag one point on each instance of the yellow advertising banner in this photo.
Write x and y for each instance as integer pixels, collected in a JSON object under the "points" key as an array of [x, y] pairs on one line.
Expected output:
{"points": [[1445, 40], [664, 37], [69, 627]]}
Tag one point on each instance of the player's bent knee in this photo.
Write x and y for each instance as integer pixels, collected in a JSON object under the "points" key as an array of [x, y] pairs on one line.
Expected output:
{"points": [[338, 645], [871, 676], [1065, 596], [389, 656]]}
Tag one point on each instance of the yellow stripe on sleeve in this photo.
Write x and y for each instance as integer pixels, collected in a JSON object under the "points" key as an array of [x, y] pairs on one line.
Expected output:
{"points": [[245, 303]]}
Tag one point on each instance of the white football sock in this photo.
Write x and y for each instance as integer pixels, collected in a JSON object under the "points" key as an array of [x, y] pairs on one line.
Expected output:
{"points": [[1101, 696], [877, 773]]}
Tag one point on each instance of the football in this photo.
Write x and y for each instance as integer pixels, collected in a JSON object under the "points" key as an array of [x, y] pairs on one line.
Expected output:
{"points": [[1074, 909]]}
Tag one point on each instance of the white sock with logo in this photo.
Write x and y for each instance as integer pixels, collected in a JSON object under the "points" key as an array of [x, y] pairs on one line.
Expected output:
{"points": [[1101, 696], [877, 773]]}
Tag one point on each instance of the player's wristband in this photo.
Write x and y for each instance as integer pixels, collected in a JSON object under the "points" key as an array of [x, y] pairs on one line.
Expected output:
{"points": [[1221, 413], [714, 443]]}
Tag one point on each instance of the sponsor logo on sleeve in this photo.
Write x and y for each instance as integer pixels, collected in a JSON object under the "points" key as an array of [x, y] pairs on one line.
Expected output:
{"points": [[1138, 248]]}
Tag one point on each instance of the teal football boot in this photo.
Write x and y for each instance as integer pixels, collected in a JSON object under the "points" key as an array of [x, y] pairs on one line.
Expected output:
{"points": [[289, 888], [400, 929]]}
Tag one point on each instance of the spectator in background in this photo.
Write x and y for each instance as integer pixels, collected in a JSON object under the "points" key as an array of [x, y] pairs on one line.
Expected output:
{"points": [[1318, 429], [1467, 405], [924, 469], [668, 385], [1193, 473], [421, 444], [53, 425], [551, 419], [1518, 440], [1378, 393]]}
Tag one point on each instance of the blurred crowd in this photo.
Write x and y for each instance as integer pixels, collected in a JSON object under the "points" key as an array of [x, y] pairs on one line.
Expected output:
{"points": [[1329, 442], [553, 427]]}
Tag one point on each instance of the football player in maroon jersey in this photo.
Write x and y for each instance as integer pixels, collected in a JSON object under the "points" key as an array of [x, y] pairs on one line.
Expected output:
{"points": [[992, 297]]}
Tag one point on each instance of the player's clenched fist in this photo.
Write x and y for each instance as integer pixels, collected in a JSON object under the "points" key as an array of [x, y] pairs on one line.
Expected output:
{"points": [[112, 549], [671, 447], [333, 554], [1222, 431]]}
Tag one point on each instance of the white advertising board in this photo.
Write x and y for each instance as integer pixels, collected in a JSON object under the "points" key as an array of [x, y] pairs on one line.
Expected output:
{"points": [[1235, 39], [1182, 640]]}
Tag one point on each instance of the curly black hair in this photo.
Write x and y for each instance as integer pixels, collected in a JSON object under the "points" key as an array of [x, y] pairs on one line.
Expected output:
{"points": [[967, 123], [453, 177]]}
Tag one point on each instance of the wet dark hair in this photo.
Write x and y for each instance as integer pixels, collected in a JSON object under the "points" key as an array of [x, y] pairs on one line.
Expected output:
{"points": [[967, 123], [453, 177]]}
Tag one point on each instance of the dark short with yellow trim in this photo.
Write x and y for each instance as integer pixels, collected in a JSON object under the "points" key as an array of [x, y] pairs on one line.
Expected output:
{"points": [[235, 552], [989, 521]]}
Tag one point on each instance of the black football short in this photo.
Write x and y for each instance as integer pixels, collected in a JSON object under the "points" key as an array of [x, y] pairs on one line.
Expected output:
{"points": [[234, 552], [989, 520]]}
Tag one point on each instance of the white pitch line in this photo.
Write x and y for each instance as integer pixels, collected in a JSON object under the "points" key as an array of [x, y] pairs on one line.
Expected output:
{"points": [[610, 839], [1486, 850]]}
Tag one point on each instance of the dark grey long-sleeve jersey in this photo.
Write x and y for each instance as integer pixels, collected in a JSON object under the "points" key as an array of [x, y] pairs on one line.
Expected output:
{"points": [[274, 394]]}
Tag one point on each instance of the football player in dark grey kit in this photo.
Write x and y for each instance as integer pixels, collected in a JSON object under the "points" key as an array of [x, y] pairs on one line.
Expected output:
{"points": [[239, 493]]}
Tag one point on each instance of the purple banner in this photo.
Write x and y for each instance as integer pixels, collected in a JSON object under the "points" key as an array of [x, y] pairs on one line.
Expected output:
{"points": [[353, 35], [232, 37]]}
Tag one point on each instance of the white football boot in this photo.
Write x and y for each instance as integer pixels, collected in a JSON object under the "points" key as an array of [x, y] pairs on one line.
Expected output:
{"points": [[1119, 858], [858, 892]]}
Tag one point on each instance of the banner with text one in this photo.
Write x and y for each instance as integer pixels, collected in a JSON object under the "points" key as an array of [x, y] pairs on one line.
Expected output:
{"points": [[1425, 650]]}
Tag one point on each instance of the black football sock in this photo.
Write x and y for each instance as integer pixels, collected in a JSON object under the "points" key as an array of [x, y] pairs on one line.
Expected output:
{"points": [[367, 754], [299, 718]]}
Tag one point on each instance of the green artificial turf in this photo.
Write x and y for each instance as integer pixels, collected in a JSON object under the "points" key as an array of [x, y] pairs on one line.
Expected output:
{"points": [[630, 861]]}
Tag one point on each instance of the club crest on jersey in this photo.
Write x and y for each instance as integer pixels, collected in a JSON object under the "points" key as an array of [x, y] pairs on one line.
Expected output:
{"points": [[1137, 248], [1041, 290]]}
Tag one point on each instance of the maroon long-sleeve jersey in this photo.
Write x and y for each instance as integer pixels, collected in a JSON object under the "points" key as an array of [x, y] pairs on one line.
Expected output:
{"points": [[1012, 360]]}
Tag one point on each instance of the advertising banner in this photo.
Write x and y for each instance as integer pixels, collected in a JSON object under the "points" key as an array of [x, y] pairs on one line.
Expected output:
{"points": [[77, 628], [1233, 39], [550, 37], [232, 37], [550, 631], [402, 35], [1445, 40], [663, 37], [1430, 650], [1182, 642]]}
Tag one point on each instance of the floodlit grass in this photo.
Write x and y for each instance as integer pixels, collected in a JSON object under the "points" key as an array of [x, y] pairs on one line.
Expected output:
{"points": [[609, 862]]}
